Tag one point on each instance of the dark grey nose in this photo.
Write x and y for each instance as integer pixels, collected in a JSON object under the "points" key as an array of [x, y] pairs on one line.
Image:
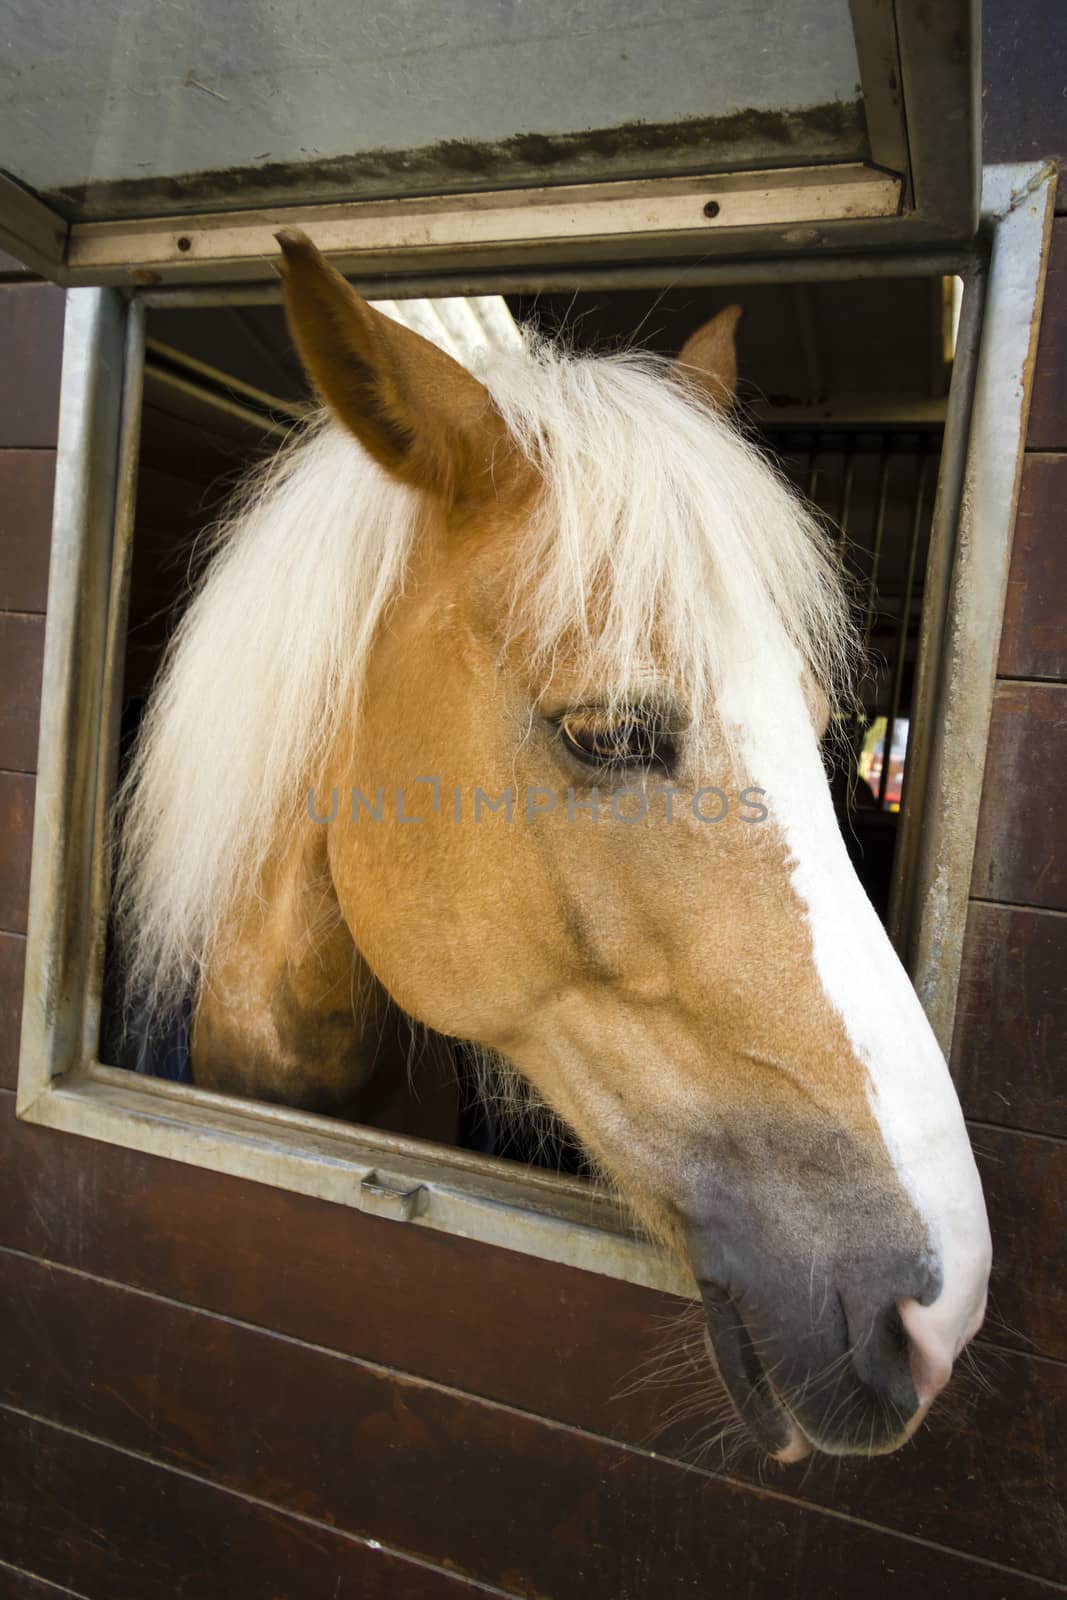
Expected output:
{"points": [[839, 1369], [803, 1245]]}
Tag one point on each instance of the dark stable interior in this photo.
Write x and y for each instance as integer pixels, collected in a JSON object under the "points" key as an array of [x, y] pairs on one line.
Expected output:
{"points": [[844, 384]]}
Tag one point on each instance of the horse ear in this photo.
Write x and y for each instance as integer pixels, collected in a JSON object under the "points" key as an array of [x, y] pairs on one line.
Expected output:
{"points": [[422, 416], [708, 358]]}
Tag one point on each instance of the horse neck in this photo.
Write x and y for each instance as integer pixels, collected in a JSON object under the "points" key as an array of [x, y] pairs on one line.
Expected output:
{"points": [[290, 1012], [276, 1017]]}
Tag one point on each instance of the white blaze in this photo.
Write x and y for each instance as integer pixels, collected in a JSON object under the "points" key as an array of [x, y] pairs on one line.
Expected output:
{"points": [[908, 1084]]}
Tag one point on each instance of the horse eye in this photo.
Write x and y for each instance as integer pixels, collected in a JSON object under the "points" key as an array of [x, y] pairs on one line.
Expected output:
{"points": [[625, 740]]}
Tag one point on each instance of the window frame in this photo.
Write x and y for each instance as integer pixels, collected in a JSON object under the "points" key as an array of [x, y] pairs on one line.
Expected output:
{"points": [[62, 1084], [920, 81]]}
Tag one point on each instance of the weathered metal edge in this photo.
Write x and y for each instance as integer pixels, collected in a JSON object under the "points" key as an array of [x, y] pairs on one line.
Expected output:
{"points": [[619, 219], [958, 675], [309, 1155], [31, 231], [60, 909]]}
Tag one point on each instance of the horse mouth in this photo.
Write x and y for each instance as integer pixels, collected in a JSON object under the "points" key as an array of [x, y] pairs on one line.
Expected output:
{"points": [[769, 1420], [742, 1374]]}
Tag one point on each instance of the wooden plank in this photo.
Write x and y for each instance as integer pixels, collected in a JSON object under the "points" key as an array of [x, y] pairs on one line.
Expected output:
{"points": [[21, 665], [1025, 1181], [546, 1338], [1022, 103], [27, 478], [1033, 643], [16, 836], [117, 1527], [382, 1455], [15, 1584], [12, 973], [1048, 405], [139, 1211], [508, 1326], [31, 347], [1020, 852], [12, 267], [1010, 1043]]}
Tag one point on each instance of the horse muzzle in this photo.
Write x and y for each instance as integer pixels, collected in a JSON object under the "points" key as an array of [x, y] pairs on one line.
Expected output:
{"points": [[819, 1387], [846, 1361], [834, 1312]]}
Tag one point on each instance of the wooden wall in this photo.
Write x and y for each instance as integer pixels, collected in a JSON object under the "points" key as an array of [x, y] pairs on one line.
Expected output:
{"points": [[31, 342], [1010, 1053], [212, 1388]]}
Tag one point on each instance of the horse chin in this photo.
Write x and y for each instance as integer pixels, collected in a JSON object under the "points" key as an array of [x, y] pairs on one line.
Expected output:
{"points": [[799, 1447], [884, 1447]]}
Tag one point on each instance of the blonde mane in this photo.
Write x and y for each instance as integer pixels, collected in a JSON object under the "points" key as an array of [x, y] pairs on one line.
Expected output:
{"points": [[653, 506]]}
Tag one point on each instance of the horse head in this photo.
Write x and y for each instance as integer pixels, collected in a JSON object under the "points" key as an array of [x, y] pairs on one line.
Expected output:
{"points": [[600, 685]]}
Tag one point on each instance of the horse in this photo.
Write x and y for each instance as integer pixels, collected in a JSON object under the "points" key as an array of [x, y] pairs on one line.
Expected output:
{"points": [[499, 707]]}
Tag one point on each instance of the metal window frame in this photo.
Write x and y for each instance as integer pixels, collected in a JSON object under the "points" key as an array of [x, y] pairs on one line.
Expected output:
{"points": [[63, 1085], [919, 71]]}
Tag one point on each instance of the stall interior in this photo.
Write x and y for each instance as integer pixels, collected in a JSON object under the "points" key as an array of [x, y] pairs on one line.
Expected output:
{"points": [[843, 384]]}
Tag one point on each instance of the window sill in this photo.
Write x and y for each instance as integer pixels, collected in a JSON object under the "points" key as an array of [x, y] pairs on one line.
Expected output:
{"points": [[496, 1202]]}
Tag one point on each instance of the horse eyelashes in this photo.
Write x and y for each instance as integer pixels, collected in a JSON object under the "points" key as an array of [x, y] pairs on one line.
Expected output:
{"points": [[622, 741]]}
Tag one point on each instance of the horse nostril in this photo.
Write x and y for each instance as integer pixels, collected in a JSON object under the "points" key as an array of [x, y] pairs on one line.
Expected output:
{"points": [[897, 1331], [882, 1359], [932, 1350]]}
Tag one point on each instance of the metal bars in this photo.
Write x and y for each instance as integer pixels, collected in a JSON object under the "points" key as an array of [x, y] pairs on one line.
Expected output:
{"points": [[904, 620], [873, 488]]}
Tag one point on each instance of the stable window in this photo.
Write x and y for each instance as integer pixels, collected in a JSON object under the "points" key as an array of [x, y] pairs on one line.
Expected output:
{"points": [[177, 372]]}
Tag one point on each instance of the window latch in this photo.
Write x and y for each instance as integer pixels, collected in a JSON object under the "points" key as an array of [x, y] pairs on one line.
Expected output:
{"points": [[384, 1199]]}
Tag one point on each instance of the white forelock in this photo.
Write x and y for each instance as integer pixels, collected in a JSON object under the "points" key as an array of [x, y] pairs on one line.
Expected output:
{"points": [[663, 542]]}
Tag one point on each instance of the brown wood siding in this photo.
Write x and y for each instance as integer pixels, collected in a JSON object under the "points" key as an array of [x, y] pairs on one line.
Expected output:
{"points": [[17, 1584], [31, 339], [21, 660], [1049, 404], [435, 1313], [1021, 850], [16, 837], [31, 330], [31, 335], [123, 1528], [1011, 1019], [1023, 116], [1033, 643], [12, 972], [1010, 1048], [212, 1388], [26, 483]]}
